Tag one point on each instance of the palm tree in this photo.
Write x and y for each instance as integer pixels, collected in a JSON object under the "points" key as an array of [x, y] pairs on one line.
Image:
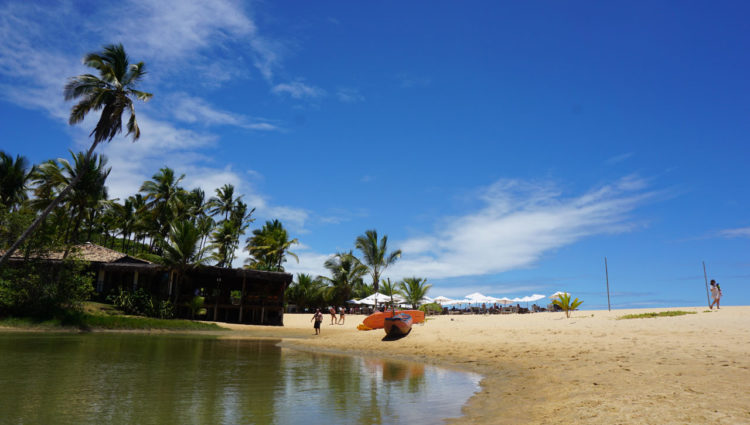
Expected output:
{"points": [[182, 251], [347, 274], [269, 246], [305, 292], [86, 180], [112, 92], [388, 288], [224, 202], [163, 193], [414, 289], [375, 254], [14, 174]]}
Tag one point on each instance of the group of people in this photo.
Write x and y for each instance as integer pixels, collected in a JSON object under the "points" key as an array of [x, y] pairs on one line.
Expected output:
{"points": [[318, 318]]}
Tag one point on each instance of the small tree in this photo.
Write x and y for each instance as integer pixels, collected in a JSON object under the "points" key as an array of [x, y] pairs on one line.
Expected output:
{"points": [[563, 301]]}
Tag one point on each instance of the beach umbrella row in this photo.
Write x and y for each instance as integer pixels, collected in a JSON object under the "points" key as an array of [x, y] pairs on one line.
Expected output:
{"points": [[477, 298]]}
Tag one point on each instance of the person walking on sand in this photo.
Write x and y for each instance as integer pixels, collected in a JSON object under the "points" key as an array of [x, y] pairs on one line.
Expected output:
{"points": [[318, 318], [715, 294], [332, 310], [341, 316]]}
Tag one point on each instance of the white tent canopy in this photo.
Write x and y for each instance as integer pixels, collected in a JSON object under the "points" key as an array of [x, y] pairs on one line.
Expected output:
{"points": [[378, 298], [442, 300]]}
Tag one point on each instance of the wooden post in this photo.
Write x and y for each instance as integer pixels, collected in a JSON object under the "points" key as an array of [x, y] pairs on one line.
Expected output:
{"points": [[242, 300], [606, 272], [705, 276]]}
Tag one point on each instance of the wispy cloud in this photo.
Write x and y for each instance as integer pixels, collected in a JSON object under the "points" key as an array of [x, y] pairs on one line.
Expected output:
{"points": [[618, 158], [741, 232], [519, 223], [191, 109], [347, 95], [298, 90]]}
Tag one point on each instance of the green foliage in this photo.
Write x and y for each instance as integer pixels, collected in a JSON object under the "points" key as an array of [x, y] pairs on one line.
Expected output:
{"points": [[431, 308], [269, 246], [196, 306], [375, 254], [414, 289], [40, 290], [566, 304], [347, 274], [110, 322], [141, 303], [660, 314]]}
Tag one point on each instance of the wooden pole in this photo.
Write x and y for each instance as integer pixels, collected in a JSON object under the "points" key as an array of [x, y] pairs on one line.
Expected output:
{"points": [[705, 277], [606, 273]]}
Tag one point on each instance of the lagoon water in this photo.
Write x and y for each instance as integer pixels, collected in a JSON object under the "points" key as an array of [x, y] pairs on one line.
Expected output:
{"points": [[174, 379]]}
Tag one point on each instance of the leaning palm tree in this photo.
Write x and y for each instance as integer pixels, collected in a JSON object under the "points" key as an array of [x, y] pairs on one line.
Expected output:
{"points": [[414, 289], [14, 175], [375, 254], [112, 92]]}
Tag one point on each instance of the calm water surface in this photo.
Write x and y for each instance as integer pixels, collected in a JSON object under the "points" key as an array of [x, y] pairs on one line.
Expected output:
{"points": [[172, 379]]}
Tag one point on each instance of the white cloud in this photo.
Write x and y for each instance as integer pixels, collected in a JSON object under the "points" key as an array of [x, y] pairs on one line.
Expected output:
{"points": [[742, 232], [196, 110], [298, 90], [349, 95], [619, 158], [519, 223]]}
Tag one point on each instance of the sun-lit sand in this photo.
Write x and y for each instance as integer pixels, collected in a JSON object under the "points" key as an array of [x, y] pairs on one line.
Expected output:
{"points": [[591, 368]]}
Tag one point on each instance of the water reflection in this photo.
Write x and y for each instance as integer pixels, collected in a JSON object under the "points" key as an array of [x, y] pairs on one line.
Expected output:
{"points": [[146, 379]]}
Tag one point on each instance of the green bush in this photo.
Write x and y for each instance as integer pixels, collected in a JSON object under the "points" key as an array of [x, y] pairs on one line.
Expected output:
{"points": [[141, 303], [40, 290], [434, 308]]}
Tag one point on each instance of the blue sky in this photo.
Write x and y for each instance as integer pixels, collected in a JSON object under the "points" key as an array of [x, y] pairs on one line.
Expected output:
{"points": [[505, 148]]}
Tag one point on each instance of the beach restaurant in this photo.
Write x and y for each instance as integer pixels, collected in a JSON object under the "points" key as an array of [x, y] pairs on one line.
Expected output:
{"points": [[231, 295]]}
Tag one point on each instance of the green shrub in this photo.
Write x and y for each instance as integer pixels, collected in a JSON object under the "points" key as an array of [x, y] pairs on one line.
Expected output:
{"points": [[141, 303], [431, 308], [41, 290], [566, 304]]}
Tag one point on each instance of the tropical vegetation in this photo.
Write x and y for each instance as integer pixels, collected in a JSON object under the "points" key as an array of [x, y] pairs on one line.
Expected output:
{"points": [[62, 202], [566, 303]]}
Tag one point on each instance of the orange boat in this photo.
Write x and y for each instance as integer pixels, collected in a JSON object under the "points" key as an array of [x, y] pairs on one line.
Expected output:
{"points": [[377, 320]]}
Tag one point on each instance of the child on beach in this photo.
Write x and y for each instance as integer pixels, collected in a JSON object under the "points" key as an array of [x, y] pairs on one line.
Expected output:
{"points": [[715, 294], [318, 317]]}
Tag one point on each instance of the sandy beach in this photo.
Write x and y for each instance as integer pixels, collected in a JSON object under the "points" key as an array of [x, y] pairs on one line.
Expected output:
{"points": [[590, 369]]}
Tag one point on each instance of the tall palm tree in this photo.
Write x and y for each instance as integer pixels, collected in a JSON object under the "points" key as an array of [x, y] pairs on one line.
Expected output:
{"points": [[224, 202], [163, 193], [182, 251], [269, 246], [414, 289], [112, 92], [14, 176], [375, 254], [347, 274]]}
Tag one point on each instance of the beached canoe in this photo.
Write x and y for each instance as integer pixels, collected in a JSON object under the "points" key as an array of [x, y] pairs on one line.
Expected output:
{"points": [[377, 320], [398, 325]]}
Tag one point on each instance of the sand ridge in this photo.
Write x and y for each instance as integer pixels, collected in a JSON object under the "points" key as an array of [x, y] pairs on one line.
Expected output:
{"points": [[590, 369]]}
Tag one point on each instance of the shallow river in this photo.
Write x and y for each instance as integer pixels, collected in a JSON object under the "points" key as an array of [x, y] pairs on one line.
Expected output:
{"points": [[173, 379]]}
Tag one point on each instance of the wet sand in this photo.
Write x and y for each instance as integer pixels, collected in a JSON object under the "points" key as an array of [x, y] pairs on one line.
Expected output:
{"points": [[589, 369]]}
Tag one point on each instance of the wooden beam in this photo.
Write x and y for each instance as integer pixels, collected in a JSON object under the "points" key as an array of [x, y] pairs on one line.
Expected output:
{"points": [[242, 300]]}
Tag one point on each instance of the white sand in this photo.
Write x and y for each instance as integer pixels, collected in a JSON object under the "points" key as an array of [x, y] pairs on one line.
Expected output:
{"points": [[591, 368]]}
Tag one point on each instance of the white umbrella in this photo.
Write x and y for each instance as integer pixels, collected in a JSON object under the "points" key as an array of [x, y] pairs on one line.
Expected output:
{"points": [[504, 300], [536, 297], [557, 294], [353, 301], [442, 300]]}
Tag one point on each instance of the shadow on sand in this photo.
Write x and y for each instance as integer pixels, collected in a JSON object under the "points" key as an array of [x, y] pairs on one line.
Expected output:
{"points": [[395, 337]]}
